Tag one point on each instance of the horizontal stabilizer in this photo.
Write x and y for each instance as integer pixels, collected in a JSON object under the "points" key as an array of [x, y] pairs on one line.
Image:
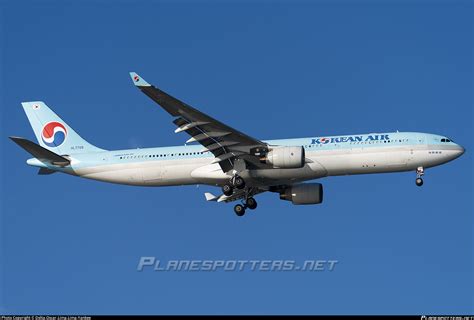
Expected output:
{"points": [[41, 153], [210, 197]]}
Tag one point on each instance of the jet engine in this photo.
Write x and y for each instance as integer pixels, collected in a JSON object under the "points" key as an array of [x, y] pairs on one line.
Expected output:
{"points": [[305, 193], [286, 157]]}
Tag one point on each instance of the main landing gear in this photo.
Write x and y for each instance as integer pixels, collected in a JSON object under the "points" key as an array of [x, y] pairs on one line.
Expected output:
{"points": [[250, 203], [239, 210], [236, 182], [419, 173]]}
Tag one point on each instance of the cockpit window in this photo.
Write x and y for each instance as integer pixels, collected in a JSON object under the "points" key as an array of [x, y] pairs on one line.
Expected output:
{"points": [[445, 140]]}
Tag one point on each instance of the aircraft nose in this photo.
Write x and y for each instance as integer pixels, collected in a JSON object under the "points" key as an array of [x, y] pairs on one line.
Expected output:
{"points": [[459, 150]]}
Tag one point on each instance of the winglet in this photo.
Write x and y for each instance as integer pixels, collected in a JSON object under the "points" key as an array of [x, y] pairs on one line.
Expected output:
{"points": [[210, 197], [138, 81]]}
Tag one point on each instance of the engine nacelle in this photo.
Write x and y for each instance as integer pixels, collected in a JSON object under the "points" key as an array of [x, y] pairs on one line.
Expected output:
{"points": [[305, 193], [286, 157]]}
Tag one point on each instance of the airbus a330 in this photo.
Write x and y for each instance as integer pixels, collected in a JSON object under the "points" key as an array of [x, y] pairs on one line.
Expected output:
{"points": [[218, 155]]}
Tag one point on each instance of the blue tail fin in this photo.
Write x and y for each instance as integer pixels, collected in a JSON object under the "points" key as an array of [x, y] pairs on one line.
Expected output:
{"points": [[53, 133]]}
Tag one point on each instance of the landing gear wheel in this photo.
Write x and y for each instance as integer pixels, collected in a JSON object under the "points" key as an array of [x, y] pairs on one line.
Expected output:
{"points": [[419, 173], [227, 190], [419, 182], [239, 210], [239, 183], [251, 203]]}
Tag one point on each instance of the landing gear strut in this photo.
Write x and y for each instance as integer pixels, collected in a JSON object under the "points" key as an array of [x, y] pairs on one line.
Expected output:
{"points": [[237, 182], [419, 173]]}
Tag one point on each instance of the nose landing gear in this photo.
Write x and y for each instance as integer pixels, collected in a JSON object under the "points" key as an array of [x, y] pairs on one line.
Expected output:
{"points": [[419, 182], [419, 173]]}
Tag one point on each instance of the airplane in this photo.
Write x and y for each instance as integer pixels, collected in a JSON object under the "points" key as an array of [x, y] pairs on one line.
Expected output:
{"points": [[218, 155]]}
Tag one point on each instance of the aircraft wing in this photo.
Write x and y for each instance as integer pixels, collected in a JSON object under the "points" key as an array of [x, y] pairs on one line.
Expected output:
{"points": [[226, 143]]}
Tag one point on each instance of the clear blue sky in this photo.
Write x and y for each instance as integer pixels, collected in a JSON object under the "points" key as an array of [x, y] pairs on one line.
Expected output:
{"points": [[272, 70]]}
